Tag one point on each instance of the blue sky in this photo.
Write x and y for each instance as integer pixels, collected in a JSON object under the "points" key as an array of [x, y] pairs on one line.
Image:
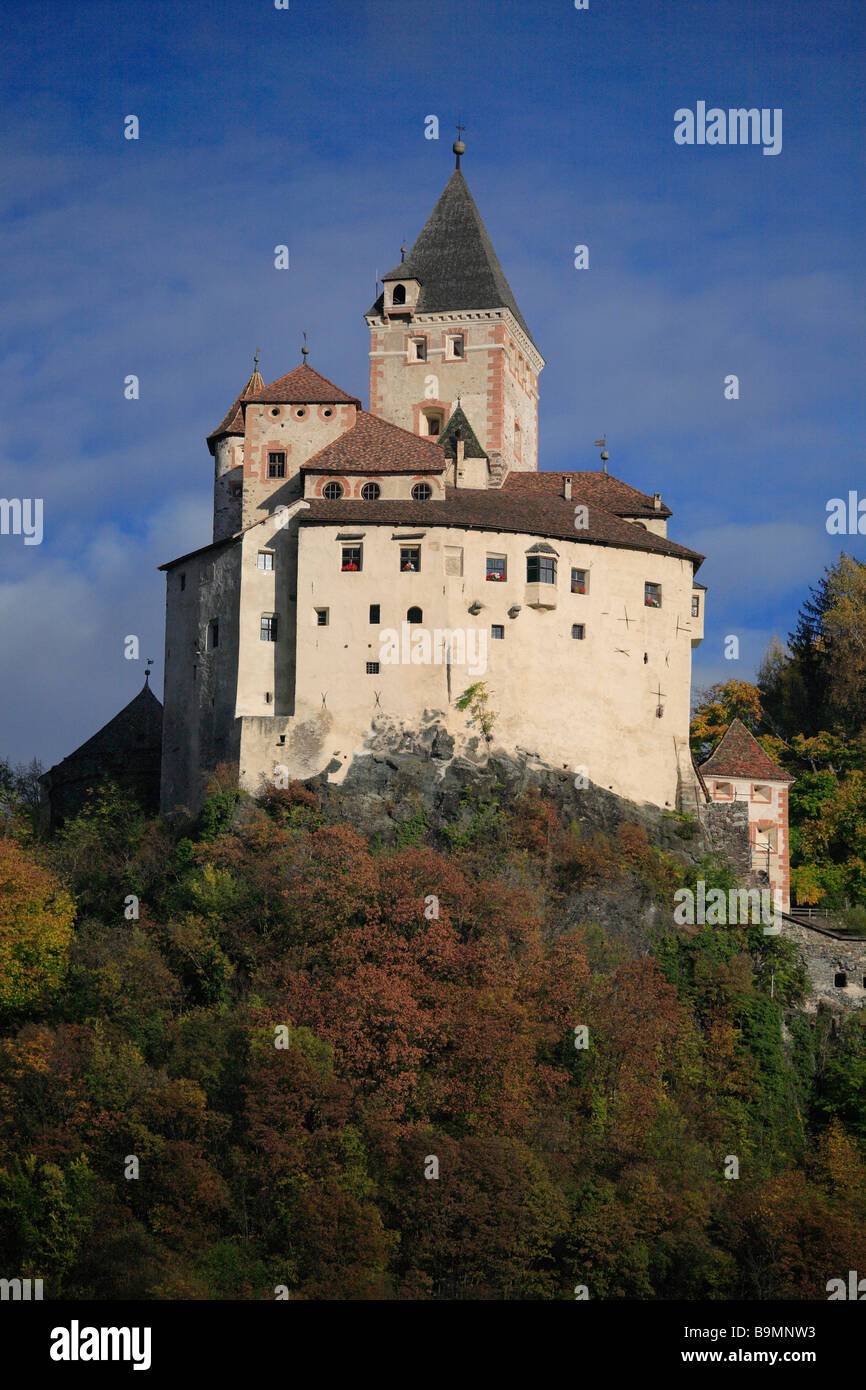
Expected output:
{"points": [[306, 127]]}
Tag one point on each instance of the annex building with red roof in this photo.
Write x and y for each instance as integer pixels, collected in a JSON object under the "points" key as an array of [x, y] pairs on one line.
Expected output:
{"points": [[368, 566], [738, 769]]}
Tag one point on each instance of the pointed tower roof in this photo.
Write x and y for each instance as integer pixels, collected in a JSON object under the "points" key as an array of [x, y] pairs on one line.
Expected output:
{"points": [[454, 261], [459, 427], [739, 754], [303, 386], [233, 420], [137, 726]]}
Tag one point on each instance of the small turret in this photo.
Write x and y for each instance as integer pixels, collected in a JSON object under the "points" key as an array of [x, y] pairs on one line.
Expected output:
{"points": [[226, 445]]}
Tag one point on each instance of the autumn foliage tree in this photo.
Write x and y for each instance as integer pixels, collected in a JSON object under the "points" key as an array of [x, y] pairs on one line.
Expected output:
{"points": [[36, 916]]}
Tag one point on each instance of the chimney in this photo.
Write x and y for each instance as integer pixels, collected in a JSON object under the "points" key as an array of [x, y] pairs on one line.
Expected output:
{"points": [[566, 489], [657, 501]]}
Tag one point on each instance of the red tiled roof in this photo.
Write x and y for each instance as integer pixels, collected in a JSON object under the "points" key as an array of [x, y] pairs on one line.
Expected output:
{"points": [[303, 386], [596, 488], [739, 754], [494, 509], [233, 421], [373, 445]]}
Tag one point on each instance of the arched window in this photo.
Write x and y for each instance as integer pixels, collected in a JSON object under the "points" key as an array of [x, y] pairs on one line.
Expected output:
{"points": [[371, 492], [422, 492], [332, 491], [399, 295], [414, 615]]}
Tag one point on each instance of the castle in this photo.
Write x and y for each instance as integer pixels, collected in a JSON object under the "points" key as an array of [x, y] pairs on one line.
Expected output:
{"points": [[368, 567], [407, 571]]}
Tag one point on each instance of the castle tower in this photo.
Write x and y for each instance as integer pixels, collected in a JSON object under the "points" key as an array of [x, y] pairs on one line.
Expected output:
{"points": [[447, 329], [226, 444]]}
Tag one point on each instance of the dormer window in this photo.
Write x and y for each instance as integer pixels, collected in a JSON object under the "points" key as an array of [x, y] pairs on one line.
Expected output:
{"points": [[422, 492], [371, 492], [399, 294], [332, 491]]}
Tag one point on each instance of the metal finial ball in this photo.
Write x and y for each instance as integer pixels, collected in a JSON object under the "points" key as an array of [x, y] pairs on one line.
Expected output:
{"points": [[458, 147], [605, 455]]}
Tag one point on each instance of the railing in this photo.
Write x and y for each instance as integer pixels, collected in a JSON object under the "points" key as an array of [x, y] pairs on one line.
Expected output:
{"points": [[760, 859]]}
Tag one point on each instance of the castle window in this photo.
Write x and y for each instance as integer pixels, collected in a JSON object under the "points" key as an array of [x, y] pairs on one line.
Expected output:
{"points": [[454, 347], [372, 668], [300, 412], [410, 558], [398, 295], [497, 632], [766, 839], [276, 465], [497, 568], [236, 489], [580, 581], [265, 560], [652, 595], [213, 633], [327, 412], [518, 437], [332, 491], [351, 557], [578, 630], [268, 630], [417, 349], [433, 423], [840, 979], [540, 569], [696, 605], [724, 791], [414, 615], [374, 613], [422, 492], [371, 492], [182, 582], [761, 793], [268, 697], [321, 617]]}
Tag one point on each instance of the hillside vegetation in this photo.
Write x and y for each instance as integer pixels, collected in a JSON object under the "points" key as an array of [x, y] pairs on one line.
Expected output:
{"points": [[300, 1021]]}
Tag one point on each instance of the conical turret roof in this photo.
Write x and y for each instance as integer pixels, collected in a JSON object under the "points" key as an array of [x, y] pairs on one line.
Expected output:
{"points": [[233, 420]]}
